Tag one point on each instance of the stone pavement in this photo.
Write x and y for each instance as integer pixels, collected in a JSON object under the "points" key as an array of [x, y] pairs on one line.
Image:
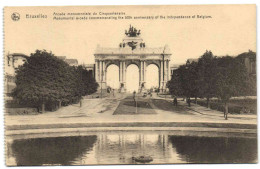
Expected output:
{"points": [[99, 113]]}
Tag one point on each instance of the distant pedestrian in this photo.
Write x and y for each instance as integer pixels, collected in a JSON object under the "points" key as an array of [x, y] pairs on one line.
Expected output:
{"points": [[188, 101], [134, 95], [175, 102]]}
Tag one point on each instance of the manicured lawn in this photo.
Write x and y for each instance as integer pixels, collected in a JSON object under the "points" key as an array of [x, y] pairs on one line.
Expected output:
{"points": [[168, 106], [128, 106]]}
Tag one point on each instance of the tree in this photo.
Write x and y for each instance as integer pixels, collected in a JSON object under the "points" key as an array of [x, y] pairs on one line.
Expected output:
{"points": [[87, 81], [249, 60], [45, 80], [192, 81], [185, 81], [207, 68], [231, 80], [175, 84], [222, 77]]}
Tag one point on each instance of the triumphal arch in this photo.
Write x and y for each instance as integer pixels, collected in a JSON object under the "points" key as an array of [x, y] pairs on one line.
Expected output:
{"points": [[132, 50]]}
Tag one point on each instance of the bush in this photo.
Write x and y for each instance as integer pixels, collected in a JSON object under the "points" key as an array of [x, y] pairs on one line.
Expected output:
{"points": [[232, 108]]}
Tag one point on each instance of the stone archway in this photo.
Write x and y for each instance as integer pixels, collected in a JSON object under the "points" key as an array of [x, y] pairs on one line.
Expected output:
{"points": [[112, 76], [152, 70], [132, 78], [133, 50]]}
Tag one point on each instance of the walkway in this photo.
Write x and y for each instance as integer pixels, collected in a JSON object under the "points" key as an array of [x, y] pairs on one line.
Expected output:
{"points": [[99, 113]]}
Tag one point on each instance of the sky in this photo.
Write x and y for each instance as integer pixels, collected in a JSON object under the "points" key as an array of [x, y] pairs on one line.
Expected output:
{"points": [[231, 30]]}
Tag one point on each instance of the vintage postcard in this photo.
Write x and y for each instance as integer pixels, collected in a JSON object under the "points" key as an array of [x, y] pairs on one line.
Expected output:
{"points": [[93, 85]]}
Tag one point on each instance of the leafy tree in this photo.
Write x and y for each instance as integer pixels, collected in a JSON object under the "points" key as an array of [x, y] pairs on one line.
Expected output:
{"points": [[211, 76], [192, 80], [207, 68], [185, 81], [231, 80], [247, 58], [175, 84], [87, 81], [45, 80]]}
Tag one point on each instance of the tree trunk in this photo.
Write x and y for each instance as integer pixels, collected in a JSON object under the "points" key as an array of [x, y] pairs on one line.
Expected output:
{"points": [[188, 99], [59, 104], [226, 111], [80, 103], [207, 102], [43, 107]]}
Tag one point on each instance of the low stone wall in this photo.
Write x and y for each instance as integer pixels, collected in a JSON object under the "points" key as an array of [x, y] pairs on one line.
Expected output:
{"points": [[21, 111]]}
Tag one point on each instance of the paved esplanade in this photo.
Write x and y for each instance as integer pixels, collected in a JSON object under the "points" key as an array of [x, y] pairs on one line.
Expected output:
{"points": [[113, 112], [132, 50]]}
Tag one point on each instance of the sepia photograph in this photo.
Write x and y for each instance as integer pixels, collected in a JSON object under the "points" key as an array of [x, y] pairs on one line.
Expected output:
{"points": [[136, 84]]}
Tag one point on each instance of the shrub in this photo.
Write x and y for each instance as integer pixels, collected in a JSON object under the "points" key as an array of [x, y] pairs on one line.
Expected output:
{"points": [[233, 108]]}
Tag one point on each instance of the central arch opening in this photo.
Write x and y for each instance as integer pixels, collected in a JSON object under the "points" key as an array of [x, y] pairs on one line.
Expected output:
{"points": [[113, 76], [132, 78], [152, 74]]}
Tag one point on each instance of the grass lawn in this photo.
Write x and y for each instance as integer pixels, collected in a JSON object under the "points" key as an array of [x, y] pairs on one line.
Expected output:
{"points": [[128, 106], [168, 106]]}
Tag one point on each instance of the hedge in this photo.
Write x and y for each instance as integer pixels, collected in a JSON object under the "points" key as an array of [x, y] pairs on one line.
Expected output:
{"points": [[235, 106]]}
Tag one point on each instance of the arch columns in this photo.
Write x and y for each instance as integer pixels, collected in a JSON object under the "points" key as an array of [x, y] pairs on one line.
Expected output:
{"points": [[142, 71], [161, 75], [165, 74], [122, 74], [144, 80], [168, 70], [100, 73], [97, 71]]}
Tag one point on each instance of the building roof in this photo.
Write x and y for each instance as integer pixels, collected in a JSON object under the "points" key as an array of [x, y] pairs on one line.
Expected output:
{"points": [[174, 65], [89, 65], [18, 55], [61, 57], [250, 54], [192, 60], [71, 61]]}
